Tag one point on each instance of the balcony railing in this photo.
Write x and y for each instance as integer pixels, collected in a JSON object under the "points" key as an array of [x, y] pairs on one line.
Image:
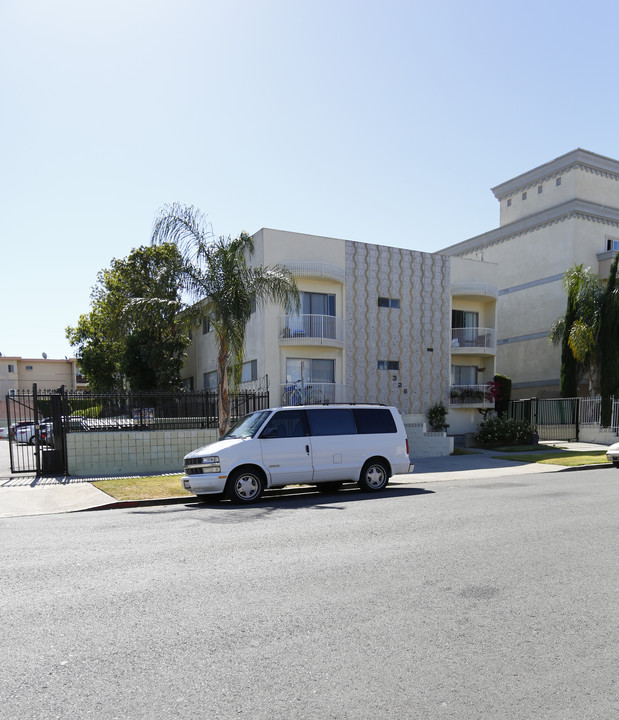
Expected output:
{"points": [[311, 393], [311, 330], [475, 338], [471, 396]]}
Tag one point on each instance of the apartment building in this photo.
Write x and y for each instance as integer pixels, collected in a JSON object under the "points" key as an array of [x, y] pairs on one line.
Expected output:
{"points": [[17, 373], [376, 324], [559, 214]]}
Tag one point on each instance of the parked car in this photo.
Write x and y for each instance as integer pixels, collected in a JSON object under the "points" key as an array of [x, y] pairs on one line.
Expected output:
{"points": [[325, 445], [16, 426], [612, 454], [4, 433], [26, 434]]}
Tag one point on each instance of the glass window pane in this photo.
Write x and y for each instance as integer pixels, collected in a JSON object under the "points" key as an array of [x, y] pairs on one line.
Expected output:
{"points": [[287, 424], [332, 422], [322, 371], [374, 420]]}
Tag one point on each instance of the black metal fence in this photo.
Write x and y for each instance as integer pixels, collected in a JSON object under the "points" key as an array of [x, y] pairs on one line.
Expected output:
{"points": [[553, 418], [40, 419]]}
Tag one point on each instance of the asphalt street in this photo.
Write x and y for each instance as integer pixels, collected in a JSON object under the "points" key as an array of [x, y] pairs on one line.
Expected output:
{"points": [[478, 598]]}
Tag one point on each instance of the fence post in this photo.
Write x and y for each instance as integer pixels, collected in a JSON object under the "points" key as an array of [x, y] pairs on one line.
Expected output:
{"points": [[577, 418], [35, 414]]}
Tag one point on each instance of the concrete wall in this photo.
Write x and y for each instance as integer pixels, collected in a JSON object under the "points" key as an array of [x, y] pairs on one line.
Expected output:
{"points": [[94, 454]]}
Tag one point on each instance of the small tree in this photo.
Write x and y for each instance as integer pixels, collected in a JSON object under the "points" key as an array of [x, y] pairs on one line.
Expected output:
{"points": [[437, 416]]}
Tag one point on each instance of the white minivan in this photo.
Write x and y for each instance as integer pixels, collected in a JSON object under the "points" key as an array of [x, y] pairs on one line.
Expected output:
{"points": [[325, 445]]}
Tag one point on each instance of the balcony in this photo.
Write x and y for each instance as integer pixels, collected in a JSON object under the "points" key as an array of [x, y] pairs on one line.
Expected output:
{"points": [[476, 396], [311, 330], [475, 340], [311, 393]]}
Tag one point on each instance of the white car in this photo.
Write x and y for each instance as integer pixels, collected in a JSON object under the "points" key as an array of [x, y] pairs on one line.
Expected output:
{"points": [[322, 445], [4, 433], [612, 454], [26, 434]]}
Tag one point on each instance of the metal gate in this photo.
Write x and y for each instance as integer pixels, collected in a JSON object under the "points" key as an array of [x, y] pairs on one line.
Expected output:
{"points": [[36, 434]]}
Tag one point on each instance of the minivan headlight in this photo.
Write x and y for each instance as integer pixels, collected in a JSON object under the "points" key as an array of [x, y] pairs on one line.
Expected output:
{"points": [[211, 464], [200, 465]]}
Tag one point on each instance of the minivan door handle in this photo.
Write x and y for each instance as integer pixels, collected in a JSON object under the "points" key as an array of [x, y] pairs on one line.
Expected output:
{"points": [[307, 449]]}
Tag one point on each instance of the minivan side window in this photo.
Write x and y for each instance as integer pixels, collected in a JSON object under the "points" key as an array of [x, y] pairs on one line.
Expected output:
{"points": [[286, 424], [334, 421], [374, 420]]}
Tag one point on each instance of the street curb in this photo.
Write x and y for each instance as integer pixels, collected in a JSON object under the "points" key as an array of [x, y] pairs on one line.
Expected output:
{"points": [[119, 504], [192, 499]]}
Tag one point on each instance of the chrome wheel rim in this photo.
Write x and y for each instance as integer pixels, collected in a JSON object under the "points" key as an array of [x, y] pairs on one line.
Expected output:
{"points": [[375, 476], [247, 487]]}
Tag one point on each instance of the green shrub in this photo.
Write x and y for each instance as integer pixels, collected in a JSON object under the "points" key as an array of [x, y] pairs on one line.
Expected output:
{"points": [[497, 431], [436, 416]]}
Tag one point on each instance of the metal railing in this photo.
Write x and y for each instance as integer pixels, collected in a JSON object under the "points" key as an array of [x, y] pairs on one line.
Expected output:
{"points": [[311, 393], [297, 329], [475, 338], [472, 395]]}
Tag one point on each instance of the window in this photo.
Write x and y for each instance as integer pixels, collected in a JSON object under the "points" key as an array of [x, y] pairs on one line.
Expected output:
{"points": [[389, 302], [558, 181], [540, 189], [28, 367], [249, 371], [338, 421], [317, 304], [314, 370], [11, 368], [188, 383], [252, 304], [463, 375], [388, 364], [206, 326], [612, 244], [286, 424], [524, 196], [509, 202], [374, 420], [210, 380], [464, 319]]}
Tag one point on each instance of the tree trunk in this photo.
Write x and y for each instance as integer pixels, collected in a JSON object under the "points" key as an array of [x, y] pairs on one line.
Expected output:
{"points": [[222, 390]]}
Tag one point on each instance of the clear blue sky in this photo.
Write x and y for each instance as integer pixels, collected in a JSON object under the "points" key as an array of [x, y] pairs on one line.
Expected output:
{"points": [[382, 122]]}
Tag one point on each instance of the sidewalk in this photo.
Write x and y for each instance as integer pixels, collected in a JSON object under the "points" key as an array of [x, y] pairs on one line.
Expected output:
{"points": [[28, 495]]}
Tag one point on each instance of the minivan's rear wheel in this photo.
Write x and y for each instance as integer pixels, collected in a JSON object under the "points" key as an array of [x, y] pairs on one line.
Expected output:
{"points": [[244, 486], [374, 475]]}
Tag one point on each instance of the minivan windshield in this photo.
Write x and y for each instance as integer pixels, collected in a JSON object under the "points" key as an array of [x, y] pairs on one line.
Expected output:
{"points": [[247, 426]]}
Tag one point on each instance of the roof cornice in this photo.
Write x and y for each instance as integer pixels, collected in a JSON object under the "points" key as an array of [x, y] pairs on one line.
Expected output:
{"points": [[580, 209], [578, 158]]}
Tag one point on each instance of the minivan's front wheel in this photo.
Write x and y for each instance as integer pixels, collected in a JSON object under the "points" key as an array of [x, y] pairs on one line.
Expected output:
{"points": [[244, 486], [374, 475]]}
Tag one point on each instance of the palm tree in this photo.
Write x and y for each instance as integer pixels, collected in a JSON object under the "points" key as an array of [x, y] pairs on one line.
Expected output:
{"points": [[578, 330], [221, 287]]}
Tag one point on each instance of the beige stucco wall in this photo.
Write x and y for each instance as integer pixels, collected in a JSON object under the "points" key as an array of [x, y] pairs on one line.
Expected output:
{"points": [[583, 183]]}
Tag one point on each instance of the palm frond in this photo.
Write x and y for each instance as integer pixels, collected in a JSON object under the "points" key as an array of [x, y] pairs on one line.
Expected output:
{"points": [[186, 227]]}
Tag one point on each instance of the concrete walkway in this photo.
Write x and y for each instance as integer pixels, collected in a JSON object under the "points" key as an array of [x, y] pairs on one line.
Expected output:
{"points": [[28, 495]]}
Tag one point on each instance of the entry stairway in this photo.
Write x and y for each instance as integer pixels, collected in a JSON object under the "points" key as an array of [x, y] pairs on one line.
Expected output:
{"points": [[422, 443]]}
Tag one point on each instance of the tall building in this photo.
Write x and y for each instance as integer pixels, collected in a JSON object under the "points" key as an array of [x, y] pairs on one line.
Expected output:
{"points": [[559, 214], [375, 325]]}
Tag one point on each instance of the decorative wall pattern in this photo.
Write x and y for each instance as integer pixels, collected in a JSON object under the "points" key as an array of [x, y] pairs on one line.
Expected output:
{"points": [[416, 335]]}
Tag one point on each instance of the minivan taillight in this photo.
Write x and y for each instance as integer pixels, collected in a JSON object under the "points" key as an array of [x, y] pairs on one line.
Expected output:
{"points": [[407, 452]]}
